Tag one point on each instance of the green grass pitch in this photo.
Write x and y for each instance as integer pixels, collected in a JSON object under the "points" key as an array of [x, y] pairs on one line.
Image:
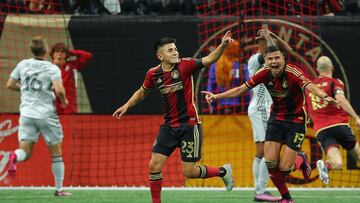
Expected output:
{"points": [[171, 196]]}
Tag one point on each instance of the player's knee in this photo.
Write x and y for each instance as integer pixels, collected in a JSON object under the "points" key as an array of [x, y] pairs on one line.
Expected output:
{"points": [[154, 166], [271, 164]]}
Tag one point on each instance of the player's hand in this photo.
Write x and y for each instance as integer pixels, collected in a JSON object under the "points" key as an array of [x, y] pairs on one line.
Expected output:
{"points": [[209, 96], [226, 39], [64, 103], [120, 111], [263, 34], [332, 101]]}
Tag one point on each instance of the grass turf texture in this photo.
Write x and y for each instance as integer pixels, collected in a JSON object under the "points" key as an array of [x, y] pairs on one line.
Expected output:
{"points": [[171, 196]]}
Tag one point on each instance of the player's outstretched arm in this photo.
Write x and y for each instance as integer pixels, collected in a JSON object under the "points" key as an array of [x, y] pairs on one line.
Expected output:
{"points": [[13, 84], [346, 106], [138, 95], [231, 93], [320, 93], [215, 55]]}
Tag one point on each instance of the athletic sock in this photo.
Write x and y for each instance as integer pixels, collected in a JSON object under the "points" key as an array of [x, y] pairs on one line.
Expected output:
{"points": [[155, 186], [263, 178], [58, 172], [20, 155], [278, 178], [208, 172], [256, 169]]}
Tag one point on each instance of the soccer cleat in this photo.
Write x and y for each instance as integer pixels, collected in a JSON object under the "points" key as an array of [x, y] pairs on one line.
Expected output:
{"points": [[305, 166], [286, 201], [266, 197], [323, 172], [62, 193], [12, 165], [228, 178]]}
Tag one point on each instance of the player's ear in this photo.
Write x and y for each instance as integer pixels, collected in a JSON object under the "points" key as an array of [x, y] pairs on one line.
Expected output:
{"points": [[159, 56]]}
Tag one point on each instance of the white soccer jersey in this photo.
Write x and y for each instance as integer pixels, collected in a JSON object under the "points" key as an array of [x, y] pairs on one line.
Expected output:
{"points": [[261, 99], [37, 95]]}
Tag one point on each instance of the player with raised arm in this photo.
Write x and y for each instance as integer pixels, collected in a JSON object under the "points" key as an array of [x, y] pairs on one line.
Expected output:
{"points": [[60, 55], [36, 78], [259, 112], [331, 123], [173, 78], [286, 125]]}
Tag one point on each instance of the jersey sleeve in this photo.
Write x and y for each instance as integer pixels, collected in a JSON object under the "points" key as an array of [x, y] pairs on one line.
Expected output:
{"points": [[148, 81], [339, 87], [258, 78], [192, 64], [55, 73], [82, 57], [15, 74], [254, 64], [299, 77]]}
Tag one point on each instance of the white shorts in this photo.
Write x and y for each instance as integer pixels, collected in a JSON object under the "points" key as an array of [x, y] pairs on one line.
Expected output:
{"points": [[50, 128], [258, 124]]}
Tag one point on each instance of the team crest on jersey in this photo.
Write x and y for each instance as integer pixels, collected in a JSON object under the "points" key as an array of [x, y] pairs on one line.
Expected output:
{"points": [[284, 84], [175, 74], [158, 81]]}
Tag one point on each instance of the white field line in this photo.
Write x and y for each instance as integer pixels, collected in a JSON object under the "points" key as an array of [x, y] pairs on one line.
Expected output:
{"points": [[176, 188]]}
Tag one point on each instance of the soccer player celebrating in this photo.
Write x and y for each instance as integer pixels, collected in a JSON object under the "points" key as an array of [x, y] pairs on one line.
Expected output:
{"points": [[331, 123], [35, 78], [286, 125], [60, 55], [173, 79]]}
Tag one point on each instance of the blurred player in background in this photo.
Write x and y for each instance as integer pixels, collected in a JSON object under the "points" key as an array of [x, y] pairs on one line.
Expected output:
{"points": [[60, 55], [331, 123], [225, 74], [286, 125], [36, 78], [173, 79]]}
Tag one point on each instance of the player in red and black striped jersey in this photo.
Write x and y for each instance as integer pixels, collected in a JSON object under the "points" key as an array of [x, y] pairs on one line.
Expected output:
{"points": [[286, 125], [173, 79], [331, 123]]}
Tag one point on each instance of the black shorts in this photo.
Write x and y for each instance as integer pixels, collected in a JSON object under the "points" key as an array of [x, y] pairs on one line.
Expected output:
{"points": [[335, 136], [291, 134], [187, 138]]}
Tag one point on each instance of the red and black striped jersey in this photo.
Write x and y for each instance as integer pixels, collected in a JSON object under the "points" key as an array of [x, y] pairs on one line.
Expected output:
{"points": [[177, 90], [287, 92], [322, 113]]}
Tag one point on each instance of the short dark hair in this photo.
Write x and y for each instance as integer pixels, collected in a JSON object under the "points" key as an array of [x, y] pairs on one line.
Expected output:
{"points": [[38, 46], [163, 41], [59, 47], [271, 49]]}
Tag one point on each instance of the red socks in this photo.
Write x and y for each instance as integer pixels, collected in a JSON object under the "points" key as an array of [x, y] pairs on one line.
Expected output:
{"points": [[278, 178], [155, 188]]}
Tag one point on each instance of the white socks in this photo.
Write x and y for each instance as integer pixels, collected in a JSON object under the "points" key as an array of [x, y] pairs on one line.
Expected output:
{"points": [[58, 171], [261, 175], [20, 155]]}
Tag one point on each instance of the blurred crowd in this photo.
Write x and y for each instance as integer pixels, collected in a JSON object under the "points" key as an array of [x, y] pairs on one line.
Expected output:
{"points": [[178, 7]]}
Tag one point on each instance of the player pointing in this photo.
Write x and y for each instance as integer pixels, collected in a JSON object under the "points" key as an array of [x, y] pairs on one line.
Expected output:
{"points": [[286, 125], [173, 79]]}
